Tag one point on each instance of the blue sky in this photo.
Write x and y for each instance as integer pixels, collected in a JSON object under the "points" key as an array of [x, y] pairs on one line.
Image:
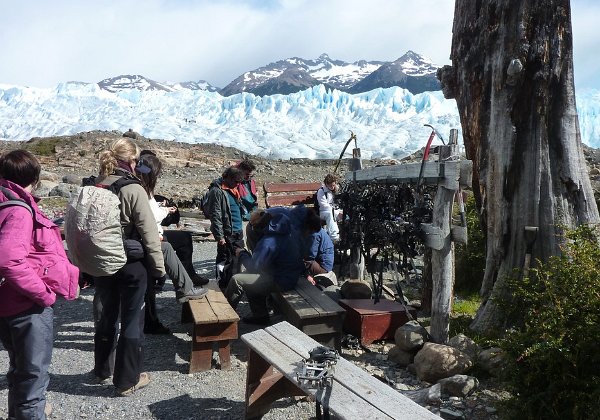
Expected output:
{"points": [[45, 42]]}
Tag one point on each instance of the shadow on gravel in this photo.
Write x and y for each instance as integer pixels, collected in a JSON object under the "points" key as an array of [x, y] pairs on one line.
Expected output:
{"points": [[197, 408], [79, 384]]}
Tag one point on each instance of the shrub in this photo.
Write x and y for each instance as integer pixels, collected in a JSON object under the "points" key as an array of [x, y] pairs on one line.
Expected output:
{"points": [[43, 147], [470, 258], [554, 362]]}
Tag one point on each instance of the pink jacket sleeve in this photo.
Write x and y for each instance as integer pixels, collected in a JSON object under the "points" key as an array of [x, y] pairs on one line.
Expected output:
{"points": [[15, 244]]}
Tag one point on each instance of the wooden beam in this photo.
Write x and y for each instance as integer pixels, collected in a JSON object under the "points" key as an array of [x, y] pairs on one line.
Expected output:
{"points": [[449, 174]]}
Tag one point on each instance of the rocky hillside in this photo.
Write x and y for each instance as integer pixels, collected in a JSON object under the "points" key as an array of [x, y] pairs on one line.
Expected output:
{"points": [[188, 168]]}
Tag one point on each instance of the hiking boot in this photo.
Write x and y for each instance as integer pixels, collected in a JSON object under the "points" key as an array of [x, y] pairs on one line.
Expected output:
{"points": [[158, 329], [199, 280], [257, 320], [195, 293], [144, 381]]}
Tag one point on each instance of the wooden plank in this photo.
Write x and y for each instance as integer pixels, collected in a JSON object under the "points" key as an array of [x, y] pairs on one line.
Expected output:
{"points": [[341, 402], [202, 313], [289, 200], [320, 301], [295, 302], [357, 381], [221, 307], [448, 174], [272, 187]]}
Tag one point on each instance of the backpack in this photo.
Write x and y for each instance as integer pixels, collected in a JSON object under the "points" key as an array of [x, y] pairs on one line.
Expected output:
{"points": [[13, 200], [204, 204], [93, 228], [316, 200], [48, 258]]}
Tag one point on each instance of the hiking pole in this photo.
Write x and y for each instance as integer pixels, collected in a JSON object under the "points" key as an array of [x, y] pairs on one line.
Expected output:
{"points": [[352, 137]]}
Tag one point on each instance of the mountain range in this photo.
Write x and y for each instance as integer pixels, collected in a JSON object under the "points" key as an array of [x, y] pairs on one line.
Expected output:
{"points": [[412, 71], [310, 114]]}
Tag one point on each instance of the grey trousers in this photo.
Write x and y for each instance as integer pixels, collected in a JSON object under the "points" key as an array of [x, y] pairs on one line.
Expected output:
{"points": [[256, 287], [27, 337], [175, 270]]}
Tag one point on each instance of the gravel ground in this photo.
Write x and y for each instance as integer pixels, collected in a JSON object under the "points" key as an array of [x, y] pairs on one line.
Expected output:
{"points": [[172, 394], [216, 394]]}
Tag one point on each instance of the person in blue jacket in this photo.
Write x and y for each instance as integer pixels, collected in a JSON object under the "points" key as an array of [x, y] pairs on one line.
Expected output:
{"points": [[276, 264]]}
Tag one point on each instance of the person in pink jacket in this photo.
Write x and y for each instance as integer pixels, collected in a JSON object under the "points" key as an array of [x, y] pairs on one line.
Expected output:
{"points": [[34, 270]]}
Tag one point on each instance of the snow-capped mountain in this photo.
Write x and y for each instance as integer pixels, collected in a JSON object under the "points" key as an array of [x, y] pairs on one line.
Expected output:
{"points": [[313, 123], [124, 82], [411, 71], [335, 73]]}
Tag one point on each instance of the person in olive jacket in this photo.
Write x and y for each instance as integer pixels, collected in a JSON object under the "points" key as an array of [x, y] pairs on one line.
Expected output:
{"points": [[123, 292]]}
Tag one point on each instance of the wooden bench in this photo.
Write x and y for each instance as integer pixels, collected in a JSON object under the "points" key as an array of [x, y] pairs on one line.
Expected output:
{"points": [[215, 323], [312, 312], [289, 194], [275, 357]]}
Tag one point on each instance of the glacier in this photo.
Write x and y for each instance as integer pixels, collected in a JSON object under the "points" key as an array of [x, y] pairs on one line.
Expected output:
{"points": [[314, 123]]}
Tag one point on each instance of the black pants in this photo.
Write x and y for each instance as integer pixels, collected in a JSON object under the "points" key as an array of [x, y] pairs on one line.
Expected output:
{"points": [[123, 293], [226, 257], [182, 243]]}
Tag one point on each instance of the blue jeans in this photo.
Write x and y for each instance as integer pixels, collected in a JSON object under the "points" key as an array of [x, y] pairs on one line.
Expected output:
{"points": [[27, 337], [122, 293]]}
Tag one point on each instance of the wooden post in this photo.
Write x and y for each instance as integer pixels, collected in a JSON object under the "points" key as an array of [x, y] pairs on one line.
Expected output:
{"points": [[442, 267], [442, 260], [357, 262]]}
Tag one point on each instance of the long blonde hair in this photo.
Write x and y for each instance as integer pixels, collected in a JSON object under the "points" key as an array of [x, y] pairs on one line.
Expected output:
{"points": [[122, 149]]}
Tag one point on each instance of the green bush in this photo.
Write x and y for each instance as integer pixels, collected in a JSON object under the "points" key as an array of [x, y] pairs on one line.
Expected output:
{"points": [[553, 357], [470, 258], [43, 147]]}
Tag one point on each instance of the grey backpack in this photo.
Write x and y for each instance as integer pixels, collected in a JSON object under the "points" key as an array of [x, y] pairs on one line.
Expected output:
{"points": [[93, 228]]}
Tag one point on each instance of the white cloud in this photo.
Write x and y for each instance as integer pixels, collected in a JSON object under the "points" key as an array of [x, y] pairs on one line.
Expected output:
{"points": [[43, 43]]}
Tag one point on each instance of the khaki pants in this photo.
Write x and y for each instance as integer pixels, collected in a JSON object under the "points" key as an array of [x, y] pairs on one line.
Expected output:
{"points": [[256, 287]]}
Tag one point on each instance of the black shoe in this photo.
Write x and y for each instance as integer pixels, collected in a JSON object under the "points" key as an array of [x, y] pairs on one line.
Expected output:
{"points": [[158, 329], [257, 320], [195, 293], [199, 280]]}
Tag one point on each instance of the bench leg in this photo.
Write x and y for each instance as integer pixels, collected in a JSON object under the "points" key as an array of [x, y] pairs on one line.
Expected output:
{"points": [[201, 357], [224, 354], [264, 386]]}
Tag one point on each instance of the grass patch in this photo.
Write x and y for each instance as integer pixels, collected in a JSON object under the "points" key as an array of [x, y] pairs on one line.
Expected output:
{"points": [[467, 305]]}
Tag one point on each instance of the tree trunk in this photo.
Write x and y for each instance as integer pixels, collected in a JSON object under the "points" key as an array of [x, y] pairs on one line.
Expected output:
{"points": [[512, 77]]}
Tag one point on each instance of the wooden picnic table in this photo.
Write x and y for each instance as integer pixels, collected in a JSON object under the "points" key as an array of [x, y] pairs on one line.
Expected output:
{"points": [[276, 356]]}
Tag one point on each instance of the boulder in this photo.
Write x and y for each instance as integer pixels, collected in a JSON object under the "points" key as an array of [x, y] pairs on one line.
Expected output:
{"points": [[400, 357], [72, 179], [491, 360], [458, 385], [436, 361], [48, 176], [44, 187], [410, 336], [465, 344], [63, 190]]}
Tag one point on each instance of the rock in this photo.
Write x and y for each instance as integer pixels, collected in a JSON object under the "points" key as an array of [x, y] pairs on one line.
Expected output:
{"points": [[48, 176], [466, 345], [446, 413], [400, 357], [436, 361], [63, 190], [72, 179], [44, 187], [459, 385], [491, 360], [410, 336]]}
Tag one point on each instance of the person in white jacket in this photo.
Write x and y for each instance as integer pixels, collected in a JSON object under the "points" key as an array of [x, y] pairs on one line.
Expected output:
{"points": [[328, 213]]}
